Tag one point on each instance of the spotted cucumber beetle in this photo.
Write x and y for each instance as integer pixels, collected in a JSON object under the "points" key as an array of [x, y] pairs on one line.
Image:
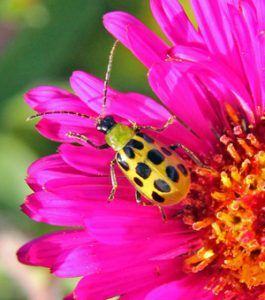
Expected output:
{"points": [[155, 170]]}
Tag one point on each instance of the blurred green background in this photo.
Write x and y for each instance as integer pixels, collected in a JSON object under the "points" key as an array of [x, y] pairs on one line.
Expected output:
{"points": [[41, 43]]}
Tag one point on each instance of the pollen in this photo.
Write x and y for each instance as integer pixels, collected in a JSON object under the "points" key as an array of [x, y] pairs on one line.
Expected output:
{"points": [[227, 208]]}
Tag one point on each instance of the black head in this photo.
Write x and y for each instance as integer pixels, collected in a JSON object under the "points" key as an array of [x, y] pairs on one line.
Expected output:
{"points": [[105, 124]]}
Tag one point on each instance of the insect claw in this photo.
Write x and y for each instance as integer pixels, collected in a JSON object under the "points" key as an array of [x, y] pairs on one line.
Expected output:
{"points": [[69, 134], [134, 125], [163, 214]]}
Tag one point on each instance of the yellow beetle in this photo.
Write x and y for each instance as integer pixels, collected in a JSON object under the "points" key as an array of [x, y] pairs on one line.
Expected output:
{"points": [[155, 170]]}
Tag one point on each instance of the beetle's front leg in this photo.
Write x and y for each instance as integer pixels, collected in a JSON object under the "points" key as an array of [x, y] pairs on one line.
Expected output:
{"points": [[113, 180]]}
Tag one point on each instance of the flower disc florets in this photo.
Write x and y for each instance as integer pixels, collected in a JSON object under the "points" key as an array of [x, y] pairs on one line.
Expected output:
{"points": [[227, 204]]}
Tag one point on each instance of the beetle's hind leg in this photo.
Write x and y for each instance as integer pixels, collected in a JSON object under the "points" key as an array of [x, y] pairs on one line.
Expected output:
{"points": [[113, 180], [138, 198], [191, 155], [139, 201]]}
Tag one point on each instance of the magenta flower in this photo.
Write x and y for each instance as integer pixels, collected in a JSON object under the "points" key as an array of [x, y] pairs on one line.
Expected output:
{"points": [[212, 245]]}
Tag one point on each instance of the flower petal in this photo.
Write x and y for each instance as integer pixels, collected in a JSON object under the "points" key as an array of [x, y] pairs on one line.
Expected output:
{"points": [[56, 126], [51, 250], [70, 205], [143, 43], [218, 36], [47, 168], [75, 253], [87, 159], [244, 24], [174, 22], [179, 289], [135, 222], [129, 106], [106, 285], [49, 95], [168, 83]]}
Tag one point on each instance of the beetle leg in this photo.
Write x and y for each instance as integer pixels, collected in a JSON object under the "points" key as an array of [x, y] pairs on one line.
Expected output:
{"points": [[139, 201], [170, 121], [113, 180], [152, 128], [84, 139], [191, 155], [163, 214], [138, 198]]}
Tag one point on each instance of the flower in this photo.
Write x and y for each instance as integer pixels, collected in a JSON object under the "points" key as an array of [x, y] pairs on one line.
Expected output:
{"points": [[212, 245]]}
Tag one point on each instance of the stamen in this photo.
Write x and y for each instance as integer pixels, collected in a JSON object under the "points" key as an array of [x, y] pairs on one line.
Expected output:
{"points": [[229, 211], [244, 145], [226, 180], [234, 154], [253, 140], [235, 174]]}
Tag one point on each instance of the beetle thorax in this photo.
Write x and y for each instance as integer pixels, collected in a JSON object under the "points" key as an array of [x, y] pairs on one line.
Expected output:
{"points": [[118, 136]]}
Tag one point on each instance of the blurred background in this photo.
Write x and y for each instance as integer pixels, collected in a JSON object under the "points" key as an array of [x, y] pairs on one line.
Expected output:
{"points": [[41, 43]]}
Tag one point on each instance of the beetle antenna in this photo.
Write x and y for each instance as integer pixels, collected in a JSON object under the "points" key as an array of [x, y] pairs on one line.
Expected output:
{"points": [[55, 112], [107, 77]]}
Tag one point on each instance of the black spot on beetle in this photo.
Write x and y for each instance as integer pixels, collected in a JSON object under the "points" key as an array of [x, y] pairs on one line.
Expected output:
{"points": [[172, 173], [138, 181], [122, 162], [157, 197], [135, 144], [129, 152], [145, 137], [166, 151], [182, 169], [162, 186], [155, 156], [143, 170]]}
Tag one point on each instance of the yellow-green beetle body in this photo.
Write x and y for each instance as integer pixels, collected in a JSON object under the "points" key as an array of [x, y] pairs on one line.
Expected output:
{"points": [[156, 172]]}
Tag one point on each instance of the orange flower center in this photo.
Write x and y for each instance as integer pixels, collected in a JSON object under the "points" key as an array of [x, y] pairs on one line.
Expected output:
{"points": [[227, 205]]}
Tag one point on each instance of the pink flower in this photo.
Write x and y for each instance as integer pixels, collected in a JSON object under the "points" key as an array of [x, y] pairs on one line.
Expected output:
{"points": [[212, 245]]}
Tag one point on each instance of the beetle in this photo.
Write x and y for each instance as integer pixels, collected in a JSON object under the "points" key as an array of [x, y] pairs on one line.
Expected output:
{"points": [[155, 170]]}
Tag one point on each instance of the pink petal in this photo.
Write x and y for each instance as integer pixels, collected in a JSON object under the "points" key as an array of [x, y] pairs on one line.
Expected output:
{"points": [[248, 50], [75, 253], [215, 75], [130, 280], [218, 36], [192, 285], [47, 168], [58, 130], [47, 208], [44, 94], [52, 249], [260, 7], [70, 205], [143, 43], [87, 159], [129, 106], [89, 188], [174, 22], [56, 126], [175, 90], [134, 223], [225, 79]]}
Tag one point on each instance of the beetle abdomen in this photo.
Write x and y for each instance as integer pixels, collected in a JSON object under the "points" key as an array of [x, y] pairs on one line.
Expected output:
{"points": [[155, 171]]}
